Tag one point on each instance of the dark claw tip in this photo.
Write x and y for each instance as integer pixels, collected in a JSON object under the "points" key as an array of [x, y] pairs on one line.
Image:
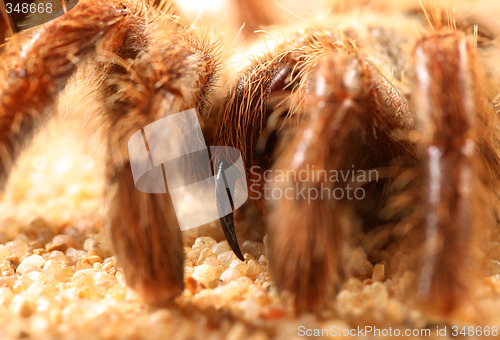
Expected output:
{"points": [[227, 223]]}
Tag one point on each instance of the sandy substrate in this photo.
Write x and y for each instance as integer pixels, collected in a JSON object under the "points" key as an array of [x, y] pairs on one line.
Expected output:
{"points": [[59, 279]]}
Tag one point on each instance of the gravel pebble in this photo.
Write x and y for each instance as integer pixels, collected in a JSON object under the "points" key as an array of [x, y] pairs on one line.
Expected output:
{"points": [[31, 261], [60, 242]]}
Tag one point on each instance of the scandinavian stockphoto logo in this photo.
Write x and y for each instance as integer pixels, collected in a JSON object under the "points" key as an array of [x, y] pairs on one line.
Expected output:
{"points": [[205, 183]]}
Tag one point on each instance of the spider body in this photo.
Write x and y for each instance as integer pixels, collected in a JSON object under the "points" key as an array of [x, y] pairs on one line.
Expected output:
{"points": [[361, 90]]}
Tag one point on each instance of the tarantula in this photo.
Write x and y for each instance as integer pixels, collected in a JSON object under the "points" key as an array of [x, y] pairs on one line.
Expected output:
{"points": [[366, 90]]}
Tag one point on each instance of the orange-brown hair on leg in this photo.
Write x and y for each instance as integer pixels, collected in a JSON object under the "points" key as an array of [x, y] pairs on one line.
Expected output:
{"points": [[350, 108], [170, 75], [453, 116], [35, 68], [308, 239]]}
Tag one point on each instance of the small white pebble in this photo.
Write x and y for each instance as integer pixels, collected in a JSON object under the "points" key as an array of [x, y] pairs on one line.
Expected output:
{"points": [[239, 266], [95, 248], [254, 248], [49, 264], [204, 242], [253, 268], [230, 275], [31, 261], [85, 273], [60, 242], [204, 254], [205, 274], [33, 275], [75, 255], [193, 255], [57, 256], [226, 258], [233, 290], [220, 248], [212, 260]]}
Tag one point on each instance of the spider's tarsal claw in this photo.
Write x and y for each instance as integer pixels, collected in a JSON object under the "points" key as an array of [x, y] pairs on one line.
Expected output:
{"points": [[227, 223]]}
